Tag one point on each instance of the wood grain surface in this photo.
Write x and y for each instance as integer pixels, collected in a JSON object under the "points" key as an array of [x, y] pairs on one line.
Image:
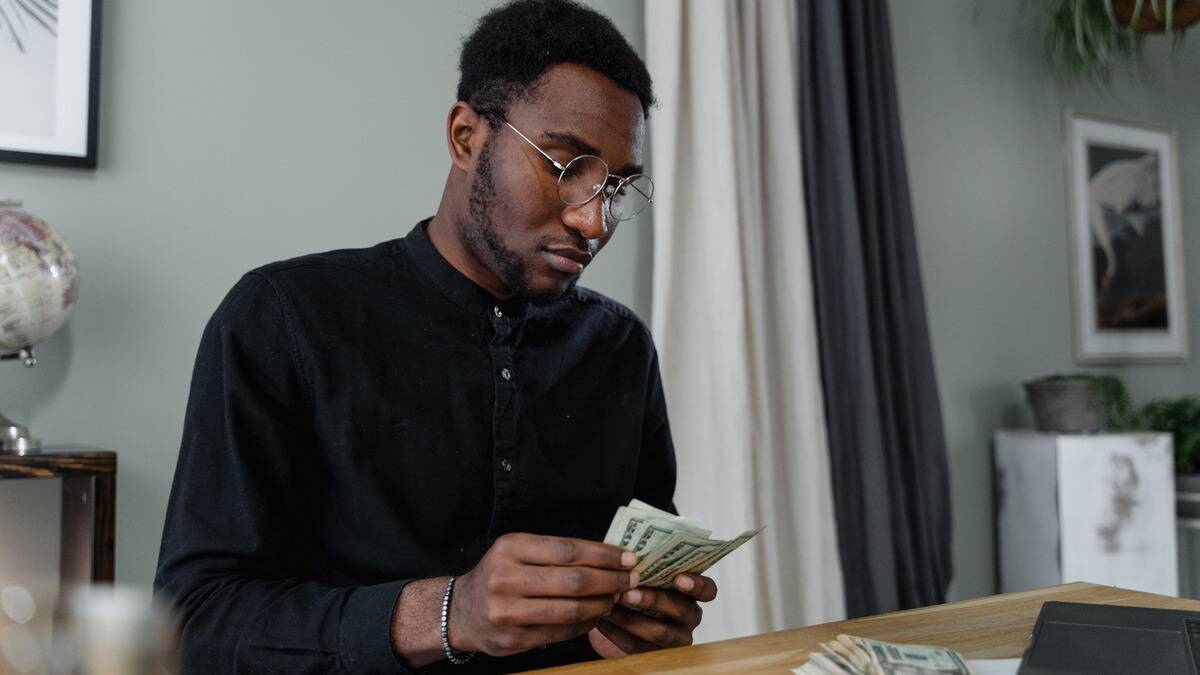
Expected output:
{"points": [[984, 628], [54, 463]]}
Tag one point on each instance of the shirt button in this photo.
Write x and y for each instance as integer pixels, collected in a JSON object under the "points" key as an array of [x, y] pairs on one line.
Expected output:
{"points": [[506, 374], [506, 465], [497, 312]]}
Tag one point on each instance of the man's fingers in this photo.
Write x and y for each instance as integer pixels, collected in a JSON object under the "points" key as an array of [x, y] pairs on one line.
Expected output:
{"points": [[603, 646], [560, 611], [660, 632], [623, 639], [672, 605], [563, 551], [550, 634], [576, 582], [525, 638], [698, 586]]}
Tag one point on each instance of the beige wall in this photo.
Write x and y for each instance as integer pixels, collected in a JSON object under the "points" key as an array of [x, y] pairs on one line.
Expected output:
{"points": [[982, 120], [233, 134]]}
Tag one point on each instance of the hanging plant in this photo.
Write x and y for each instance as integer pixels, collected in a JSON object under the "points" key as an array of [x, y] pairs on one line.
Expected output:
{"points": [[1085, 39], [1155, 16]]}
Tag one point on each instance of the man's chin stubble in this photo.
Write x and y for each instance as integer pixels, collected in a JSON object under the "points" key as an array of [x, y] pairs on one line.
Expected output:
{"points": [[483, 240]]}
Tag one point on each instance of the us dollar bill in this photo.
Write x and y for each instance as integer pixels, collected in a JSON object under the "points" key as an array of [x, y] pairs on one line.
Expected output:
{"points": [[670, 558], [695, 561], [642, 525], [666, 544], [702, 565], [905, 659], [832, 664], [851, 655]]}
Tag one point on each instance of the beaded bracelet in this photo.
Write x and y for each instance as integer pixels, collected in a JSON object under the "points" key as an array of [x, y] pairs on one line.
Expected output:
{"points": [[456, 659]]}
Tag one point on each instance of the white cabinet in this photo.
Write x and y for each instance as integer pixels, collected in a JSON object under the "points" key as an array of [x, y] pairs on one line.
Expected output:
{"points": [[1085, 507]]}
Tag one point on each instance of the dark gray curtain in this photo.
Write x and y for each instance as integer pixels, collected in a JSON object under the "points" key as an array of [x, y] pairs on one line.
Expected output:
{"points": [[890, 478]]}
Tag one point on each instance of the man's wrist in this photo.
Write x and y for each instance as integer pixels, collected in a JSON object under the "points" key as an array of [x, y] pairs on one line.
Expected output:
{"points": [[456, 657], [460, 640], [416, 624]]}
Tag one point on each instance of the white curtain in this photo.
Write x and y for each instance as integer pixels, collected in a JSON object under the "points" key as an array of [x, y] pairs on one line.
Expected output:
{"points": [[733, 308]]}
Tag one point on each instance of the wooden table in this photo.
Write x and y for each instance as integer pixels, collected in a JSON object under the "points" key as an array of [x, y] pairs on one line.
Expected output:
{"points": [[89, 494], [984, 628]]}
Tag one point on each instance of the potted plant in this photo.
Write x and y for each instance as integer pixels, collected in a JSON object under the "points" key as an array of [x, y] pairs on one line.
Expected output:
{"points": [[1080, 402], [1064, 403], [1181, 418], [1087, 38]]}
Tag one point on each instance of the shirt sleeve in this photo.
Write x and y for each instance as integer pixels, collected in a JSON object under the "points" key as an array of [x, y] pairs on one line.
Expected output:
{"points": [[231, 560], [656, 464]]}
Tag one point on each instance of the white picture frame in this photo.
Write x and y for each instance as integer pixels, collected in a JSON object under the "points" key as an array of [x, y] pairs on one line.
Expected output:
{"points": [[1126, 240]]}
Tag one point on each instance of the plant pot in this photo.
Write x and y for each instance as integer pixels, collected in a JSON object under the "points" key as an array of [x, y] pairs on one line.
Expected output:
{"points": [[1186, 13], [1187, 495], [1066, 406]]}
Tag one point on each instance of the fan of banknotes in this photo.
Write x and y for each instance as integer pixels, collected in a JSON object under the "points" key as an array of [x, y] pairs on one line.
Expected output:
{"points": [[850, 655], [667, 544]]}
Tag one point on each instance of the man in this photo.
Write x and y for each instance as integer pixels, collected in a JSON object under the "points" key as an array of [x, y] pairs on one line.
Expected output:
{"points": [[397, 457]]}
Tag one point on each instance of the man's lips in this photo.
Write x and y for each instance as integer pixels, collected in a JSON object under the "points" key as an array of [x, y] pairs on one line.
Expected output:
{"points": [[568, 260]]}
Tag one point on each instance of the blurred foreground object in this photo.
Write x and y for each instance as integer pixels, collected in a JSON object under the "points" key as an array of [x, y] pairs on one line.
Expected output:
{"points": [[92, 630]]}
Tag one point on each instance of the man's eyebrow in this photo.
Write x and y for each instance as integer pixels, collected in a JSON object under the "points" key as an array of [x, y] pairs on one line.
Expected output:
{"points": [[584, 148], [572, 141], [629, 170]]}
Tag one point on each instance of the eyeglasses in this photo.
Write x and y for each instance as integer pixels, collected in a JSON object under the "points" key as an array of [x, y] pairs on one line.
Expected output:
{"points": [[582, 178]]}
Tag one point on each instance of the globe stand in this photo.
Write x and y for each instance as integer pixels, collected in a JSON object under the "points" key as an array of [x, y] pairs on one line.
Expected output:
{"points": [[15, 438]]}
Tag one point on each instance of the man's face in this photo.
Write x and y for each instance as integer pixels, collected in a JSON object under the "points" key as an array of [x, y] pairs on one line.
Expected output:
{"points": [[516, 224]]}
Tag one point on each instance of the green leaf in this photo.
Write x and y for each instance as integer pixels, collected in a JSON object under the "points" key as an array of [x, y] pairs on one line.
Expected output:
{"points": [[1188, 446], [1079, 29], [1137, 13]]}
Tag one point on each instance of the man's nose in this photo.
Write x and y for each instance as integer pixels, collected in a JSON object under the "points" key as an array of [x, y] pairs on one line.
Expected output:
{"points": [[588, 219]]}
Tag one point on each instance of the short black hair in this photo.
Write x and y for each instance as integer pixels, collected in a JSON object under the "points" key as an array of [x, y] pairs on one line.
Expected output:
{"points": [[515, 43]]}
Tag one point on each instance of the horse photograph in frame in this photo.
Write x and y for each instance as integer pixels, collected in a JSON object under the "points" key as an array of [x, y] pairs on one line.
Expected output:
{"points": [[1126, 241]]}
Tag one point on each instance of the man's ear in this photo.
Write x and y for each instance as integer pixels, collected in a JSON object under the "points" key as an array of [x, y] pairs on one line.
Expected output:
{"points": [[466, 133]]}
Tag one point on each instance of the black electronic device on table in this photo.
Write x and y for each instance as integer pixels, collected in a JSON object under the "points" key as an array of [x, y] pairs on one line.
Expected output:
{"points": [[1072, 637]]}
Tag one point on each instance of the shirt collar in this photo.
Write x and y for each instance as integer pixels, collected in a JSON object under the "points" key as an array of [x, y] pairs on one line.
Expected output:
{"points": [[454, 284]]}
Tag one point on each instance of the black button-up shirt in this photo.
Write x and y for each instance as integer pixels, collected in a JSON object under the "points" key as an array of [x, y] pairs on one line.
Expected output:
{"points": [[361, 418]]}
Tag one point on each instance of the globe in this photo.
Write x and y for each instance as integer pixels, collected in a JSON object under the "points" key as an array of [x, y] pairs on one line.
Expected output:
{"points": [[39, 280]]}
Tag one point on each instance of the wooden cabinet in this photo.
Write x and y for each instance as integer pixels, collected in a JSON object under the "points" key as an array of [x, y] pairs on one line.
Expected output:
{"points": [[89, 492]]}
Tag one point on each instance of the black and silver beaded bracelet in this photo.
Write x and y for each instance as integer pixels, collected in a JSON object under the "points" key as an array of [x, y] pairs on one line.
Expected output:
{"points": [[457, 659]]}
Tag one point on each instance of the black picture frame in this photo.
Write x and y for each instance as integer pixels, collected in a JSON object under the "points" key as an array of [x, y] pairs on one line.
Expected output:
{"points": [[87, 158]]}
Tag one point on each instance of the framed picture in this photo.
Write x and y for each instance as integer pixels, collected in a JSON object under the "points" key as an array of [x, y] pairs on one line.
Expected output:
{"points": [[49, 75], [1126, 241]]}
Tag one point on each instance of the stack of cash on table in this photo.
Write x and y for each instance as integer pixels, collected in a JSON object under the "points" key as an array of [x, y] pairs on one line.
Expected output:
{"points": [[851, 655], [667, 544]]}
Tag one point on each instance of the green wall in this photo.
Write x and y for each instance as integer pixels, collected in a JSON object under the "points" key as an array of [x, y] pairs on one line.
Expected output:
{"points": [[233, 134], [982, 119]]}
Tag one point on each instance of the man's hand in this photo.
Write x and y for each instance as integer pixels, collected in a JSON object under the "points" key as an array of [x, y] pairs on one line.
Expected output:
{"points": [[531, 590], [663, 618]]}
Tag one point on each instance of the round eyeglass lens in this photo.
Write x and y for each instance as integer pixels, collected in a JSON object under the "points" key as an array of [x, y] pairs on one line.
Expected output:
{"points": [[583, 178], [631, 197]]}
